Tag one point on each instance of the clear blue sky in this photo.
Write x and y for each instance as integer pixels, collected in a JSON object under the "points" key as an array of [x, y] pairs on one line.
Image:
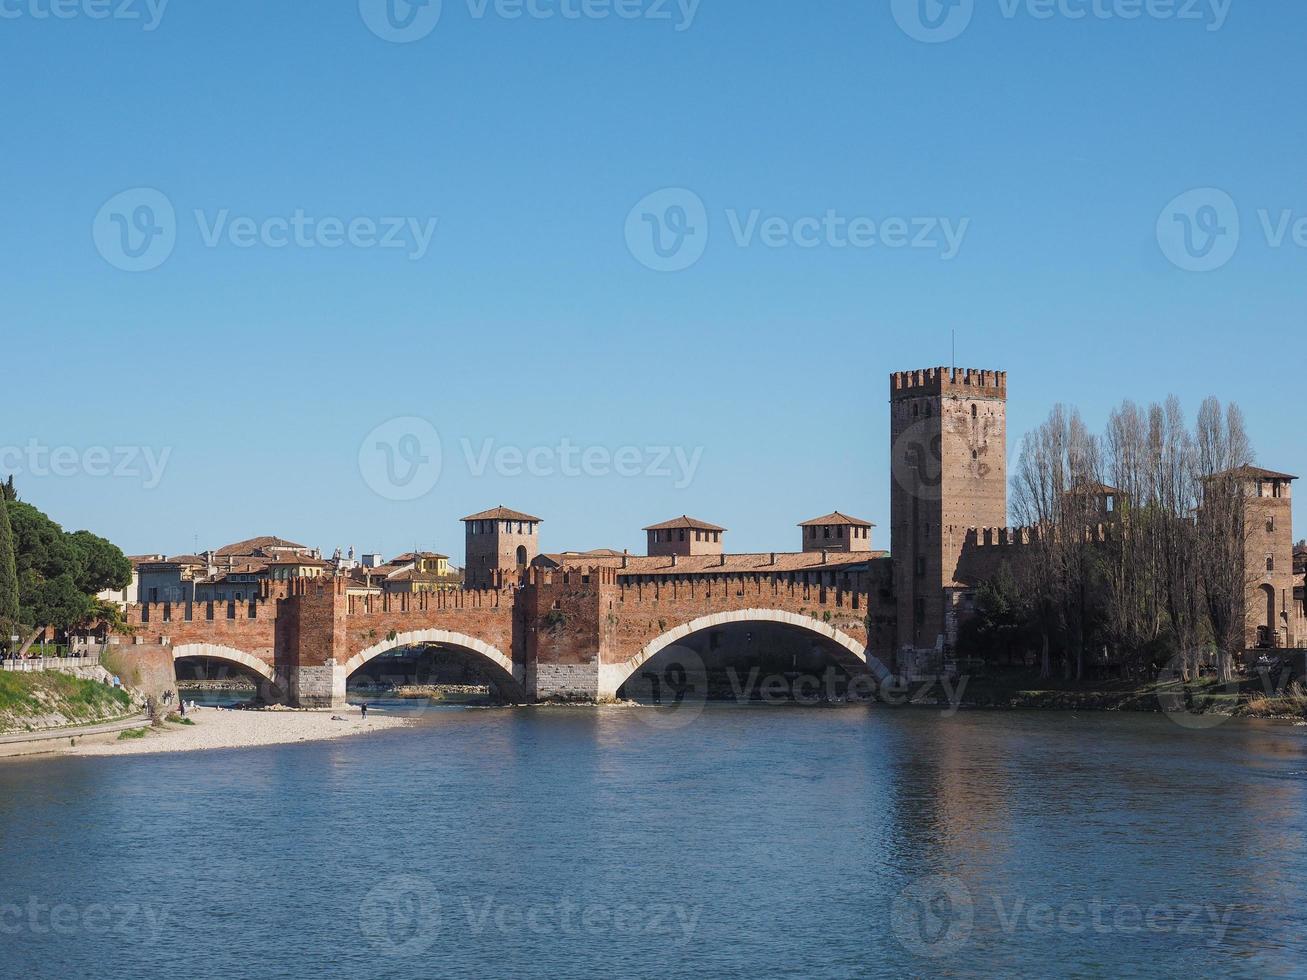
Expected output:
{"points": [[529, 320]]}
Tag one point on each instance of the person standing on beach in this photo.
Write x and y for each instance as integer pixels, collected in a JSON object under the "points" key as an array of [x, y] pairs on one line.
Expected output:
{"points": [[365, 712]]}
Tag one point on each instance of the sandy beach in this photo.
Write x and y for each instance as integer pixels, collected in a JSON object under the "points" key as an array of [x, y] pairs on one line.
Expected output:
{"points": [[217, 728]]}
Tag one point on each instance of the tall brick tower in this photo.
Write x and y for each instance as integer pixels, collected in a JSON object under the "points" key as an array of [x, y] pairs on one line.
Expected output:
{"points": [[498, 541], [948, 432]]}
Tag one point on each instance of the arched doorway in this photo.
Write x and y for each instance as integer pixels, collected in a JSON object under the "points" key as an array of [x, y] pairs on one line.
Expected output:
{"points": [[1267, 635]]}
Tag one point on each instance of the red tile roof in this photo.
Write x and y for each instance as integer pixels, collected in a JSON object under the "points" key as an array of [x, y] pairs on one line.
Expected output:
{"points": [[253, 545], [836, 518], [502, 514], [685, 522]]}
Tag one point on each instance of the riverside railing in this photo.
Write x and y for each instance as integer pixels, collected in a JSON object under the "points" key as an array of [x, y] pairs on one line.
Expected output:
{"points": [[86, 658]]}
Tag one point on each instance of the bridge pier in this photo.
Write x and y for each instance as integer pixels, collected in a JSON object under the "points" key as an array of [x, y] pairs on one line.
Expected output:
{"points": [[314, 687]]}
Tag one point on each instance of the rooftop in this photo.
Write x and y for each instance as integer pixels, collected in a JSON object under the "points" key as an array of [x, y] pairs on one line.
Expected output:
{"points": [[836, 518], [502, 513], [683, 521], [266, 542], [790, 561]]}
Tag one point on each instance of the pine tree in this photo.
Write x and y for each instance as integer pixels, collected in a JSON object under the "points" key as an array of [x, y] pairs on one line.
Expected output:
{"points": [[8, 568]]}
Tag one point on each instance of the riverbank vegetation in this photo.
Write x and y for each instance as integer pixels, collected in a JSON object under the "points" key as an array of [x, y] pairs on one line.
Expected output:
{"points": [[44, 699], [49, 577], [1135, 565]]}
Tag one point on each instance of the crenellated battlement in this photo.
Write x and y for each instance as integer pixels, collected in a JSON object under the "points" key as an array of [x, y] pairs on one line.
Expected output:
{"points": [[1017, 537], [948, 381], [420, 603]]}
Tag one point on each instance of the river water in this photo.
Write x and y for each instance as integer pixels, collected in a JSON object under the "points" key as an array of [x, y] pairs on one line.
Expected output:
{"points": [[740, 842]]}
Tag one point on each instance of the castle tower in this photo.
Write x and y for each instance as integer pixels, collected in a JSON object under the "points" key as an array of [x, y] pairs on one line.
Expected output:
{"points": [[499, 542], [836, 532], [1270, 621], [948, 432], [684, 536]]}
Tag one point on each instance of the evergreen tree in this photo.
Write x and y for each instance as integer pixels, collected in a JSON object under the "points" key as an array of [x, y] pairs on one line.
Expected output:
{"points": [[8, 568]]}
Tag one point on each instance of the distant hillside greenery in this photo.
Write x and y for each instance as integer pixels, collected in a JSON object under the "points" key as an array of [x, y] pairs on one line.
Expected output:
{"points": [[49, 577]]}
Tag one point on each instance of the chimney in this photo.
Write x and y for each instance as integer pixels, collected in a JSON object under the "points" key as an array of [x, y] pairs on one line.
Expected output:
{"points": [[722, 563], [824, 555], [674, 561], [626, 560], [773, 558]]}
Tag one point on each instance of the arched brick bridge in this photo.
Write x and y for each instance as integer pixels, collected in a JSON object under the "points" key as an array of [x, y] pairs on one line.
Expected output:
{"points": [[572, 634]]}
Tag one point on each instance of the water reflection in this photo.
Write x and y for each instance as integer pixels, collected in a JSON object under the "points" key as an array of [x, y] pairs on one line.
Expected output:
{"points": [[765, 840]]}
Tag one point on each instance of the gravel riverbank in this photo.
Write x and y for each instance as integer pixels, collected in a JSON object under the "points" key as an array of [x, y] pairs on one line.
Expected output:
{"points": [[219, 728]]}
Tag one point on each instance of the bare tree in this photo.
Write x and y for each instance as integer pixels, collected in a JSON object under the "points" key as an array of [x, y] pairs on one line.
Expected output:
{"points": [[1058, 488], [1221, 448]]}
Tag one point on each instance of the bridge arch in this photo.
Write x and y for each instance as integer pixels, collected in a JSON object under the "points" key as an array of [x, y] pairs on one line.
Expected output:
{"points": [[213, 651], [501, 668], [851, 652]]}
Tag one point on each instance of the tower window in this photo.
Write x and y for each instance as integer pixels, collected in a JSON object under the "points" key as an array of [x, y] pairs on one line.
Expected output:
{"points": [[973, 411]]}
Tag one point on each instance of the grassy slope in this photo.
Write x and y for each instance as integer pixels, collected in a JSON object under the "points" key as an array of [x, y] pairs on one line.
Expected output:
{"points": [[25, 697]]}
